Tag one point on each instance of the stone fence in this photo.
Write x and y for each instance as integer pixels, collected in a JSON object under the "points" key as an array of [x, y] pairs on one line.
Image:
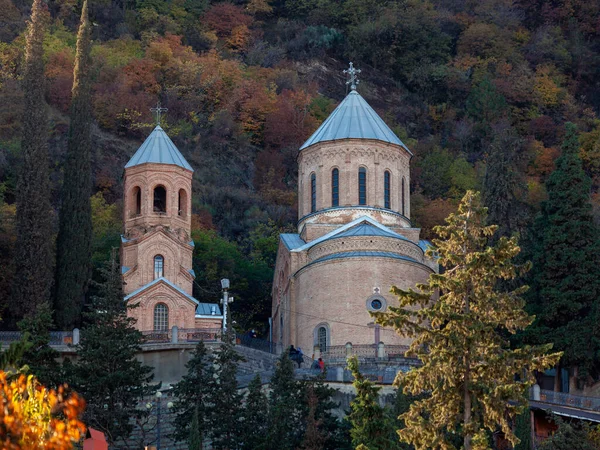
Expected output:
{"points": [[338, 354]]}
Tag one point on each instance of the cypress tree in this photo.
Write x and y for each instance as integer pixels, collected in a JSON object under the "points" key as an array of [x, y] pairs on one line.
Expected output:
{"points": [[225, 398], [371, 426], [502, 184], [195, 440], [107, 373], [34, 259], [523, 430], [254, 417], [192, 394], [565, 278], [473, 382], [73, 252]]}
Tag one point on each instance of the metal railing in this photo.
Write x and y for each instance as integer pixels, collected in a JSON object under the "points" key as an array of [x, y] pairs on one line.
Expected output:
{"points": [[339, 353], [176, 335], [258, 344], [569, 400], [56, 337]]}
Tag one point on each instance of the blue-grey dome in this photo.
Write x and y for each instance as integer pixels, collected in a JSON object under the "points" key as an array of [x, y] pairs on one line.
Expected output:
{"points": [[158, 148], [353, 119]]}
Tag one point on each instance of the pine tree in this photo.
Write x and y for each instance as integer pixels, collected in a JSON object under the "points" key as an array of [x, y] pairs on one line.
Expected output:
{"points": [[566, 265], [313, 438], [502, 184], [195, 440], [474, 383], [192, 394], [254, 417], [225, 398], [34, 257], [107, 373], [285, 408], [40, 357], [73, 245], [371, 426]]}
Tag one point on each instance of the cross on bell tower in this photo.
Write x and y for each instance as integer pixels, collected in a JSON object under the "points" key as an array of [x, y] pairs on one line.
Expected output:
{"points": [[352, 73], [157, 111]]}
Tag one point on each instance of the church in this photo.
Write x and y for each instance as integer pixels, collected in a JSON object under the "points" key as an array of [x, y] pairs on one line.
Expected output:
{"points": [[156, 245], [355, 239]]}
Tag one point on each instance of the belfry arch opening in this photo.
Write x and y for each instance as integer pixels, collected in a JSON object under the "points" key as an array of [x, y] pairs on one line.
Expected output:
{"points": [[160, 199], [183, 202], [136, 201]]}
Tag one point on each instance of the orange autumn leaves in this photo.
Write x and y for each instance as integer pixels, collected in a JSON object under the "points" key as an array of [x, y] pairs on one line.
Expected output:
{"points": [[35, 417]]}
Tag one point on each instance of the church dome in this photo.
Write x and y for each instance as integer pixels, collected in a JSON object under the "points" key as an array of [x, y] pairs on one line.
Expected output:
{"points": [[353, 119], [158, 148]]}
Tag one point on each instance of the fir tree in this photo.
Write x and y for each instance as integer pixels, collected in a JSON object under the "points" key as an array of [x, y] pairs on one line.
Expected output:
{"points": [[503, 184], [285, 408], [195, 440], [254, 417], [107, 373], [371, 426], [225, 398], [566, 265], [192, 394], [32, 283], [73, 252], [40, 357], [473, 381]]}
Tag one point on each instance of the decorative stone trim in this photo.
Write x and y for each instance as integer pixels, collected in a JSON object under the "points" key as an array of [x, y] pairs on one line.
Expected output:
{"points": [[365, 243]]}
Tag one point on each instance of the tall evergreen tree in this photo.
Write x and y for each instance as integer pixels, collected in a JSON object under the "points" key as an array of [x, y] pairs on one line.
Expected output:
{"points": [[107, 373], [371, 425], [34, 259], [254, 417], [73, 245], [523, 430], [195, 440], [41, 359], [192, 394], [565, 278], [502, 183], [313, 437], [285, 408], [473, 382], [225, 398]]}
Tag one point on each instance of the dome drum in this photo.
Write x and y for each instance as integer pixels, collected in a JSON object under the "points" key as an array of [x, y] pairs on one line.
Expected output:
{"points": [[332, 246]]}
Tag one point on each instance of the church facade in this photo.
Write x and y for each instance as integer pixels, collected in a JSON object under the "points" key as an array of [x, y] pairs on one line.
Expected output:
{"points": [[355, 239], [156, 245]]}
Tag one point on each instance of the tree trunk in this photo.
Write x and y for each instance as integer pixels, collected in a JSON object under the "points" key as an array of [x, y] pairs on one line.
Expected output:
{"points": [[467, 412]]}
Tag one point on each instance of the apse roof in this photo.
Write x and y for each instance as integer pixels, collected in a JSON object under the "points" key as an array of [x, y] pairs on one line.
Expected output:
{"points": [[353, 119], [158, 148], [292, 240]]}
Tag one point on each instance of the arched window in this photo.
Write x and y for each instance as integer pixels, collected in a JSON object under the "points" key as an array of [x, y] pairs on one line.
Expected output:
{"points": [[159, 266], [136, 198], [386, 189], [322, 338], [313, 192], [160, 199], [362, 186], [182, 206], [403, 196], [335, 187], [161, 317]]}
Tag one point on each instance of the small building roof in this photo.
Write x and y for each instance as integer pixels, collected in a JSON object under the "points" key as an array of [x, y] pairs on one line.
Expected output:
{"points": [[354, 119], [158, 148], [292, 240], [206, 309]]}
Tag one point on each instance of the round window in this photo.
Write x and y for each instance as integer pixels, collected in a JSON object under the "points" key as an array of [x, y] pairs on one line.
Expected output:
{"points": [[376, 304]]}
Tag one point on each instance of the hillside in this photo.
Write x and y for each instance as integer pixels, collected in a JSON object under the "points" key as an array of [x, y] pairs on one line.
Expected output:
{"points": [[245, 83]]}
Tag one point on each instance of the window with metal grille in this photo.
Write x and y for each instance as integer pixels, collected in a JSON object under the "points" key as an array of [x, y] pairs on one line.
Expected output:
{"points": [[403, 196], [161, 317], [362, 186], [159, 266], [322, 339], [313, 192], [335, 187], [386, 189]]}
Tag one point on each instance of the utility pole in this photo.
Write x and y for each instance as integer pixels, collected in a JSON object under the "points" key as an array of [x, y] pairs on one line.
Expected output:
{"points": [[225, 301]]}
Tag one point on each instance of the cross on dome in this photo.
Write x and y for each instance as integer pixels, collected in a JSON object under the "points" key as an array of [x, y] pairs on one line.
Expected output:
{"points": [[157, 111], [352, 73]]}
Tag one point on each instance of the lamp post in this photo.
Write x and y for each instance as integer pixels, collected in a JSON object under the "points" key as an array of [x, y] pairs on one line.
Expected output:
{"points": [[158, 412], [225, 301]]}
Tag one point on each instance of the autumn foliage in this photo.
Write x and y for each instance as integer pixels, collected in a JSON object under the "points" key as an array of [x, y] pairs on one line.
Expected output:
{"points": [[35, 417]]}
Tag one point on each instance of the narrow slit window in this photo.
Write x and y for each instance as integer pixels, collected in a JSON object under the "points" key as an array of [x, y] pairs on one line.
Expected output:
{"points": [[182, 207], [335, 187], [160, 199], [159, 266], [403, 188], [313, 193], [138, 201], [362, 186], [322, 336], [386, 189]]}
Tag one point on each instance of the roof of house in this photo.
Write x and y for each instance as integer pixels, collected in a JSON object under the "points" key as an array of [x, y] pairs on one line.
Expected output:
{"points": [[158, 148], [205, 309], [168, 283], [353, 119]]}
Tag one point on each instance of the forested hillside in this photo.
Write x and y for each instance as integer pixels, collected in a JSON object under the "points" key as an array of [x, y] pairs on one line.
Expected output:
{"points": [[478, 90]]}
